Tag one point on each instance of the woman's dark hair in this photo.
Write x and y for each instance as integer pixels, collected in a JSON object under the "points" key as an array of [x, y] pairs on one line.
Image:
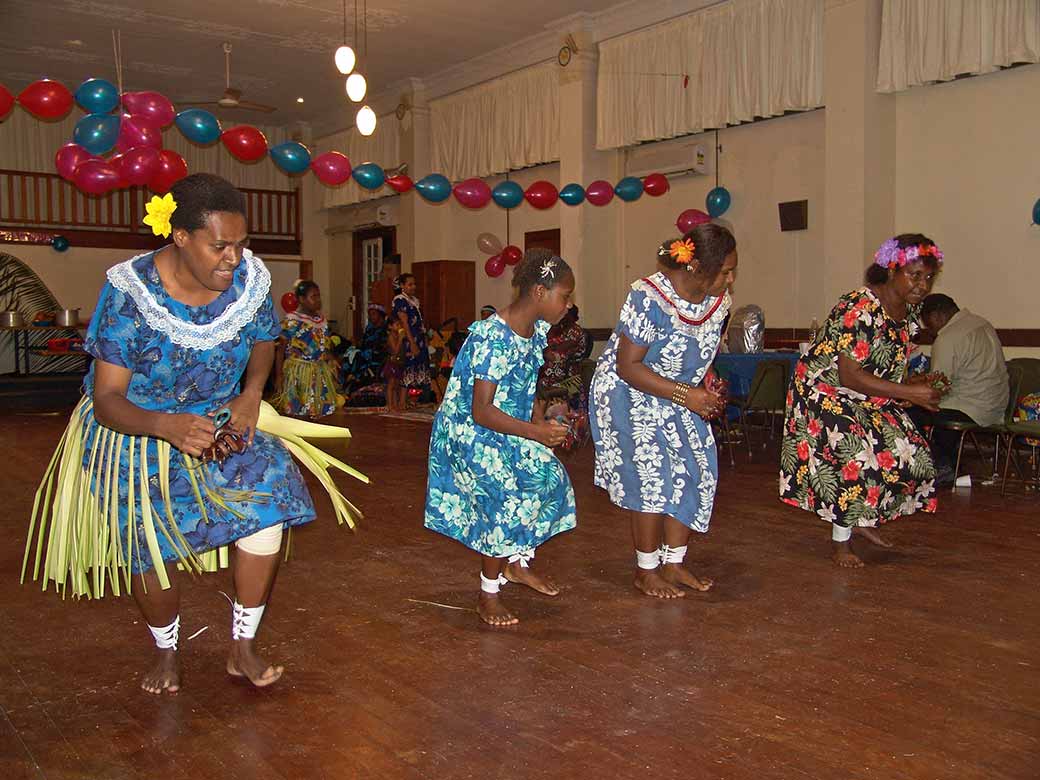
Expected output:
{"points": [[199, 195], [713, 243], [540, 266], [877, 274], [401, 280], [304, 287]]}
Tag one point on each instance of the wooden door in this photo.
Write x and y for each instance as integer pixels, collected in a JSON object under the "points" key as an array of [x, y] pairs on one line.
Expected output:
{"points": [[446, 289], [371, 247]]}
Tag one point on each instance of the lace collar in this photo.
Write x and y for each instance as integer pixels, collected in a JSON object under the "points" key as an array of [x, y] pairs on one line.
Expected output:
{"points": [[224, 327], [690, 315], [409, 299], [300, 316]]}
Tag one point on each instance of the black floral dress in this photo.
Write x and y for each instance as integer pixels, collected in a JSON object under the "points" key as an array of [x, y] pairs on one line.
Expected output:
{"points": [[854, 460]]}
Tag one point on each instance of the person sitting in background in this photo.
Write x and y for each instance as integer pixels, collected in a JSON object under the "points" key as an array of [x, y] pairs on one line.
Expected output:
{"points": [[487, 311], [367, 362], [968, 352]]}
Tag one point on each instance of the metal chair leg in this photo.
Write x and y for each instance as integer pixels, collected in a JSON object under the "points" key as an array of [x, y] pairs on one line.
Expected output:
{"points": [[1007, 462], [957, 468]]}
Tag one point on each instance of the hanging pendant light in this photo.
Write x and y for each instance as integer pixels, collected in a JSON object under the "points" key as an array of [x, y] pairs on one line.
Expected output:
{"points": [[366, 121], [357, 87], [345, 58]]}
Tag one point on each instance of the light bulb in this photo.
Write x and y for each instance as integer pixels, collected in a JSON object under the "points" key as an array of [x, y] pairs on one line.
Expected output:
{"points": [[345, 59], [366, 121], [356, 87]]}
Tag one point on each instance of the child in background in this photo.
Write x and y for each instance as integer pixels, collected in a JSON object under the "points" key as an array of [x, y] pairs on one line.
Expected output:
{"points": [[305, 369], [494, 483], [393, 370]]}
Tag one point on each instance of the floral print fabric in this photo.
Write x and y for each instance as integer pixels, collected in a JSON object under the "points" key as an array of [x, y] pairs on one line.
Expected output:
{"points": [[309, 376], [854, 460], [498, 494], [416, 369], [651, 455]]}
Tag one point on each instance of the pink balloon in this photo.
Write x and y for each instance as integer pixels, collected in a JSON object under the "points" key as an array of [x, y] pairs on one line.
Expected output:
{"points": [[599, 193], [116, 161], [152, 106], [70, 157], [139, 165], [690, 218], [332, 168], [655, 185], [495, 265], [96, 177], [135, 131], [512, 254], [472, 193]]}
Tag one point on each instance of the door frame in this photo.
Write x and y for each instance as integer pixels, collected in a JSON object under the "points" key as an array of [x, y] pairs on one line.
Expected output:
{"points": [[389, 236]]}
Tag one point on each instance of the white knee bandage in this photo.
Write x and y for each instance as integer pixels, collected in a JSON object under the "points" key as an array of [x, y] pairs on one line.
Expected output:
{"points": [[267, 541], [840, 533], [672, 554], [648, 560], [167, 636]]}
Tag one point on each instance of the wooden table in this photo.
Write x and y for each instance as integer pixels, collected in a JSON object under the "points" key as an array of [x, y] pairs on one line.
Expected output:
{"points": [[22, 347]]}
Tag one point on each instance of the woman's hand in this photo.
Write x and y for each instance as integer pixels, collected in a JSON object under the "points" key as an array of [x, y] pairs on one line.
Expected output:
{"points": [[550, 433], [245, 411], [189, 433], [923, 395], [704, 403]]}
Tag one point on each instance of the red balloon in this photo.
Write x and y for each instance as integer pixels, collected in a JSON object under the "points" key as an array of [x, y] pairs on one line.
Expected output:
{"points": [[139, 165], [331, 168], [116, 161], [135, 131], [290, 302], [245, 142], [96, 177], [599, 193], [402, 182], [70, 157], [6, 101], [472, 193], [46, 99], [172, 169], [512, 254], [152, 106], [656, 184], [542, 194], [494, 266], [690, 219]]}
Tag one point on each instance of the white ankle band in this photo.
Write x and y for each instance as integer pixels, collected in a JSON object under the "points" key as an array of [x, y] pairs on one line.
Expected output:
{"points": [[167, 636], [523, 557], [672, 554], [492, 585], [245, 620], [648, 560], [840, 533]]}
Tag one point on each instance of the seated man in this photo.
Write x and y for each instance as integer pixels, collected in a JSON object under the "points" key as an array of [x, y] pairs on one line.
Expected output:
{"points": [[968, 351]]}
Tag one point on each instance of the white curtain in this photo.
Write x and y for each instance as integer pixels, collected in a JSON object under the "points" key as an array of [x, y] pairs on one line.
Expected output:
{"points": [[383, 148], [924, 41], [504, 124], [29, 144], [744, 59]]}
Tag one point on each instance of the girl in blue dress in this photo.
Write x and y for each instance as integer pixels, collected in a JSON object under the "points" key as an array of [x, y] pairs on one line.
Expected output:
{"points": [[132, 488], [407, 311], [655, 453], [494, 483]]}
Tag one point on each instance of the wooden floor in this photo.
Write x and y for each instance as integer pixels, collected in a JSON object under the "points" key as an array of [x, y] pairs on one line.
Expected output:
{"points": [[923, 665]]}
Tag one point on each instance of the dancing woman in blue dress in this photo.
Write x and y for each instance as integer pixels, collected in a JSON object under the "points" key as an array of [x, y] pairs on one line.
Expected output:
{"points": [[655, 453], [494, 483]]}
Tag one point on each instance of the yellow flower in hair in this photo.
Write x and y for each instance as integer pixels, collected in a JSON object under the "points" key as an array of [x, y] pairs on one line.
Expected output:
{"points": [[159, 212], [682, 251]]}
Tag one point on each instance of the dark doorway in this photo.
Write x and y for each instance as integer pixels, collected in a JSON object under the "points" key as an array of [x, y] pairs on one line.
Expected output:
{"points": [[371, 247]]}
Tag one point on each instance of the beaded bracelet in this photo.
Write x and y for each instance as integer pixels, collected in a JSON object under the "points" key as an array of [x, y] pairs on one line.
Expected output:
{"points": [[679, 393]]}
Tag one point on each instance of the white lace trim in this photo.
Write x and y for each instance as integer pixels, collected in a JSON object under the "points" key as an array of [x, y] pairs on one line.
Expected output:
{"points": [[678, 307], [189, 334]]}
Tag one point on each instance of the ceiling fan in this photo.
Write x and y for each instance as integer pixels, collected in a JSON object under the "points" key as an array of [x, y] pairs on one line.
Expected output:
{"points": [[232, 98]]}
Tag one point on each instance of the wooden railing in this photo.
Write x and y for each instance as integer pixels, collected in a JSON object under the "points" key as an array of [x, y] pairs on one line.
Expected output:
{"points": [[45, 201]]}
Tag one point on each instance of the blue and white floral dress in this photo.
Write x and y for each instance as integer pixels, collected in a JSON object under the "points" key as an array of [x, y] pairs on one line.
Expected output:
{"points": [[182, 359], [652, 455], [500, 495]]}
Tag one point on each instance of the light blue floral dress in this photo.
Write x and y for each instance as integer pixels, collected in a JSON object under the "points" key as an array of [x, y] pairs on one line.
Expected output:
{"points": [[500, 495], [652, 455]]}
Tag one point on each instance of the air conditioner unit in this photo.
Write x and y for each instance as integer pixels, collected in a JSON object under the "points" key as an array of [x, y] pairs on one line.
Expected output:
{"points": [[680, 155]]}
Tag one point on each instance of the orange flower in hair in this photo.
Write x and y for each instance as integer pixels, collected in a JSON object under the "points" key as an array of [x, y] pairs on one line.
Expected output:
{"points": [[681, 251]]}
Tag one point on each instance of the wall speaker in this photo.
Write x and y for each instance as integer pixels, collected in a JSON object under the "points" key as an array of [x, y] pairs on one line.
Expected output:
{"points": [[794, 215]]}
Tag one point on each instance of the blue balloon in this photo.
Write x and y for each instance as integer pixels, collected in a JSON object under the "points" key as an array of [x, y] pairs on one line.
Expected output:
{"points": [[1036, 213], [198, 126], [434, 188], [508, 194], [369, 175], [60, 243], [629, 189], [573, 194], [97, 96], [292, 157], [718, 201], [97, 133]]}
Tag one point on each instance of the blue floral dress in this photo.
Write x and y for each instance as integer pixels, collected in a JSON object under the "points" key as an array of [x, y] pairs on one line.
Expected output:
{"points": [[416, 369], [500, 495], [186, 359], [651, 455]]}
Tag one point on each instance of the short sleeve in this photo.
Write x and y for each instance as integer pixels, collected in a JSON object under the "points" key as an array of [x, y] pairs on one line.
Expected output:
{"points": [[638, 321], [490, 360], [400, 305], [267, 327], [114, 333], [852, 326]]}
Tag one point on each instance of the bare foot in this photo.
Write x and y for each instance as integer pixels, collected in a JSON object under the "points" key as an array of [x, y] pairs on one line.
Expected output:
{"points": [[653, 584], [871, 535], [165, 676], [514, 572], [244, 662], [493, 612], [678, 574], [844, 557]]}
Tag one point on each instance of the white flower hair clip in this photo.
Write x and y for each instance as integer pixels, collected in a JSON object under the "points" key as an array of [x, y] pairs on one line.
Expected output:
{"points": [[547, 269]]}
